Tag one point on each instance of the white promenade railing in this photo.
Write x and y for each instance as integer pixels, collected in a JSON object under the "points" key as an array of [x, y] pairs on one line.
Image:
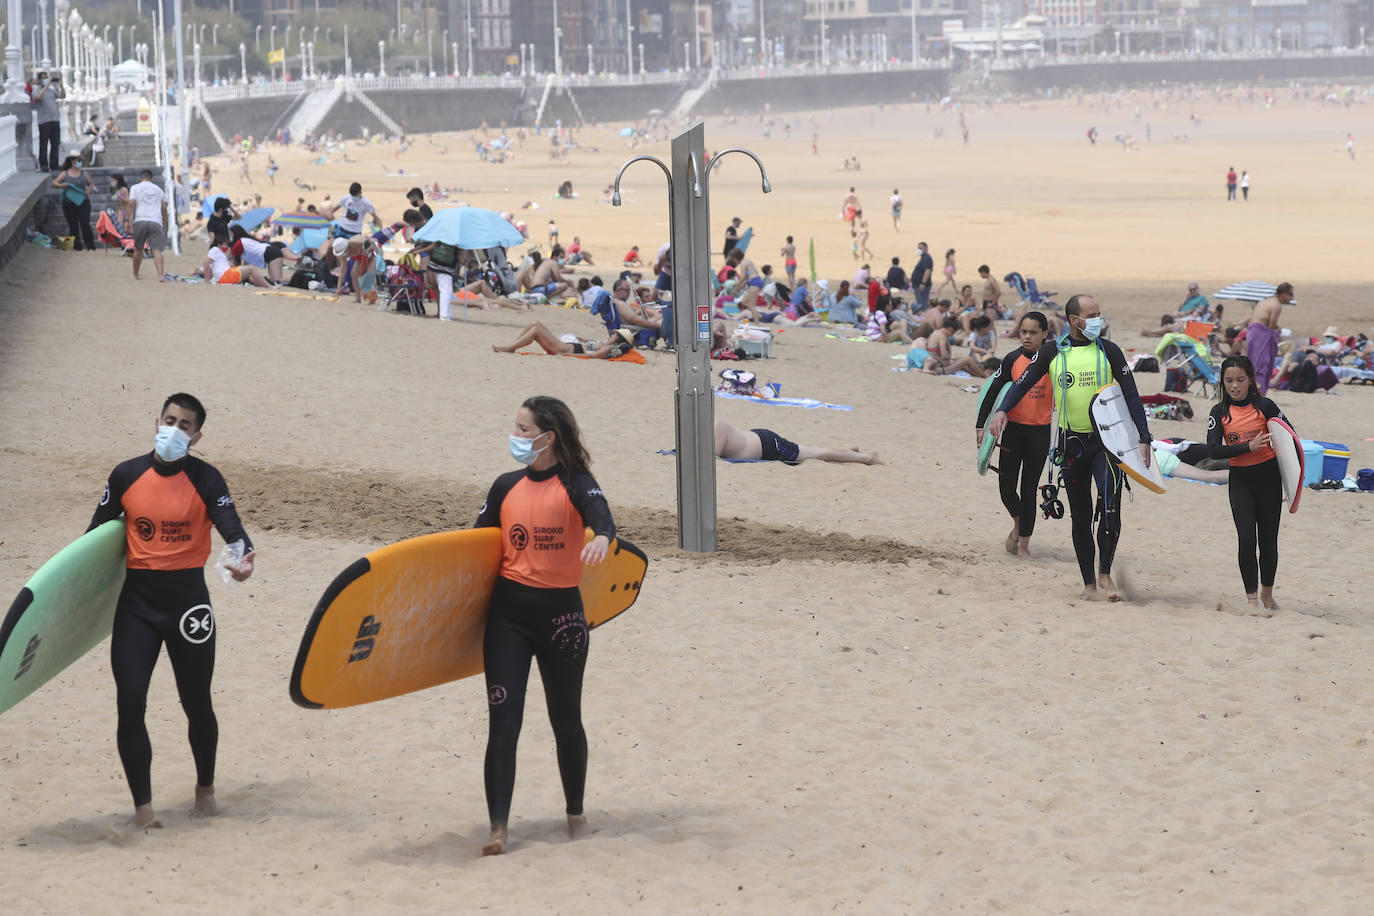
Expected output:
{"points": [[9, 147]]}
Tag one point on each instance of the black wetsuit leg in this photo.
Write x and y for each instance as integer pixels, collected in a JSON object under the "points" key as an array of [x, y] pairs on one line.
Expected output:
{"points": [[154, 607], [546, 624], [1085, 464], [1256, 494], [1024, 449]]}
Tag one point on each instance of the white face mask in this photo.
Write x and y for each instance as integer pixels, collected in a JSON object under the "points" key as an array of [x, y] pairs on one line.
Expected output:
{"points": [[523, 450], [171, 443]]}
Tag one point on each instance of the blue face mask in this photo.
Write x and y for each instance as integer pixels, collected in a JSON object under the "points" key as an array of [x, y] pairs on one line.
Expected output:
{"points": [[523, 450], [171, 443], [1092, 327]]}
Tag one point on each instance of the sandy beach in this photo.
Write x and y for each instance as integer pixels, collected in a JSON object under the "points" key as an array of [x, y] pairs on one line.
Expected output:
{"points": [[861, 703]]}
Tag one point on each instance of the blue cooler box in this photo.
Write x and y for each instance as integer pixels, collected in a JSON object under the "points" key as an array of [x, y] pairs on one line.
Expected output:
{"points": [[1335, 459], [1313, 458]]}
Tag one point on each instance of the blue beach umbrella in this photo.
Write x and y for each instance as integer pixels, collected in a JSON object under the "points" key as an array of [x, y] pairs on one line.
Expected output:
{"points": [[253, 218], [471, 228]]}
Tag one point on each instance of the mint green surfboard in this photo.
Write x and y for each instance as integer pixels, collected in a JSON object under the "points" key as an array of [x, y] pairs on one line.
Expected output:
{"points": [[989, 441], [62, 613]]}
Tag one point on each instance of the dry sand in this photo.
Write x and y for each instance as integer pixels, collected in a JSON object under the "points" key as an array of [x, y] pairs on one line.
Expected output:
{"points": [[862, 704]]}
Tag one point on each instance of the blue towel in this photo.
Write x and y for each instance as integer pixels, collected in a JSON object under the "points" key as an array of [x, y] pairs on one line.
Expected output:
{"points": [[808, 403]]}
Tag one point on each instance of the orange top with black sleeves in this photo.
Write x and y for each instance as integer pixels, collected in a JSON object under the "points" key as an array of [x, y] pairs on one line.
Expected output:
{"points": [[542, 521]]}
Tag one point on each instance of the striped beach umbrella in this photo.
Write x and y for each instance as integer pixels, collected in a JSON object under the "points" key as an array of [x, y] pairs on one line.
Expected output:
{"points": [[303, 219], [1251, 291]]}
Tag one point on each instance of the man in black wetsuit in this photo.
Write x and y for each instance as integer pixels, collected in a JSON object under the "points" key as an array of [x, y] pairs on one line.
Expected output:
{"points": [[1079, 365], [169, 500]]}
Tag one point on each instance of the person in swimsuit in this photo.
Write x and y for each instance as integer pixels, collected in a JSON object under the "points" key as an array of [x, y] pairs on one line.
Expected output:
{"points": [[619, 343], [1238, 429], [536, 608], [169, 500], [1078, 365], [1025, 442], [789, 260], [950, 279], [766, 445]]}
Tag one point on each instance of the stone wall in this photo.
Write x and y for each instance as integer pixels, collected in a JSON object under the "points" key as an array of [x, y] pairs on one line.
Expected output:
{"points": [[796, 93], [1095, 77]]}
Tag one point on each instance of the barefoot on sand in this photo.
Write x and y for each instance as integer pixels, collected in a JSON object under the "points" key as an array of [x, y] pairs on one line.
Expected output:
{"points": [[205, 803], [1108, 589], [1013, 537], [576, 824], [496, 844], [132, 830]]}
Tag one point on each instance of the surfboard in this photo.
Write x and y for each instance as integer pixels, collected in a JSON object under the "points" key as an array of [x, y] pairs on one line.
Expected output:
{"points": [[989, 440], [1288, 449], [1112, 420], [62, 612], [411, 615]]}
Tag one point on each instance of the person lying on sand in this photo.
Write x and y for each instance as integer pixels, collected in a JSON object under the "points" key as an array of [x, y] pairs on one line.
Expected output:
{"points": [[620, 342], [766, 445]]}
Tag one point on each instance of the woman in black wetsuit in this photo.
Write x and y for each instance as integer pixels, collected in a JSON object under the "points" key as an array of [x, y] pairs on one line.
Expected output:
{"points": [[1238, 429], [1026, 440], [536, 608]]}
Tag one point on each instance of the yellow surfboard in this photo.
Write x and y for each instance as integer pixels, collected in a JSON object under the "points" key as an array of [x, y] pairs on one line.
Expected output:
{"points": [[411, 615]]}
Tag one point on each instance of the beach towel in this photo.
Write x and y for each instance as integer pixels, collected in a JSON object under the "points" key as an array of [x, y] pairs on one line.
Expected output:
{"points": [[1262, 346], [630, 356], [808, 403]]}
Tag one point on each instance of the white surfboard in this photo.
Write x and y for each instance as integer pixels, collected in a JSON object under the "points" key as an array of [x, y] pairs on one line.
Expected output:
{"points": [[1112, 420], [1288, 449]]}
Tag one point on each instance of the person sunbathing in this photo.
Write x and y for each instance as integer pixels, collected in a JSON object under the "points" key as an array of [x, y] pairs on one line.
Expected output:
{"points": [[619, 343], [766, 445]]}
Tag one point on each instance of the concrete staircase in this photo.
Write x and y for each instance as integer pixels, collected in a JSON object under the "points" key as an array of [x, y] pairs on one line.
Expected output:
{"points": [[377, 112], [689, 98], [204, 114], [312, 111], [129, 153]]}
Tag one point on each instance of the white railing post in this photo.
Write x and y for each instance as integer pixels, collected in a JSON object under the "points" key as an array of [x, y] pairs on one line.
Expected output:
{"points": [[8, 147]]}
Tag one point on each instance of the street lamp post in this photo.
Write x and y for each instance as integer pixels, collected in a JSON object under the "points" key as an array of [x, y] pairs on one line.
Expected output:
{"points": [[629, 42], [119, 40], [271, 47], [243, 62], [381, 57], [763, 42], [641, 58], [591, 62], [557, 36], [467, 12], [257, 39]]}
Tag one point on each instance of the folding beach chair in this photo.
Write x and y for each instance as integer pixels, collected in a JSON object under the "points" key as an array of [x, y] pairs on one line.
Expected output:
{"points": [[405, 290], [109, 234], [1035, 297], [1017, 283], [1191, 357]]}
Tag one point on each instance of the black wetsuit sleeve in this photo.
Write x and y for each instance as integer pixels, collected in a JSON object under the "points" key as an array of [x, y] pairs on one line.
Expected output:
{"points": [[219, 505], [591, 503], [490, 514], [1000, 379], [1034, 372], [1215, 447], [1271, 410], [111, 504], [1122, 373]]}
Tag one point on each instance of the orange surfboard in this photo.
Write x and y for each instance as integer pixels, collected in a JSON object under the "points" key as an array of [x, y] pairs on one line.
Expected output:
{"points": [[411, 615]]}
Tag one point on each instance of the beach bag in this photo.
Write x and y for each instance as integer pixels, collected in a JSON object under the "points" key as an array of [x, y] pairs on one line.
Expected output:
{"points": [[737, 381], [1175, 380], [1364, 479], [1303, 378], [443, 254], [1145, 364]]}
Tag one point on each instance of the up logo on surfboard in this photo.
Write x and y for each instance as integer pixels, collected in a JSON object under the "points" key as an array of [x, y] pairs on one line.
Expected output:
{"points": [[197, 624]]}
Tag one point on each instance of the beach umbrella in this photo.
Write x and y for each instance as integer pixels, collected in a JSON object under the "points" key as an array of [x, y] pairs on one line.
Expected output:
{"points": [[745, 238], [1250, 291], [813, 262], [471, 228], [302, 218], [253, 218]]}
